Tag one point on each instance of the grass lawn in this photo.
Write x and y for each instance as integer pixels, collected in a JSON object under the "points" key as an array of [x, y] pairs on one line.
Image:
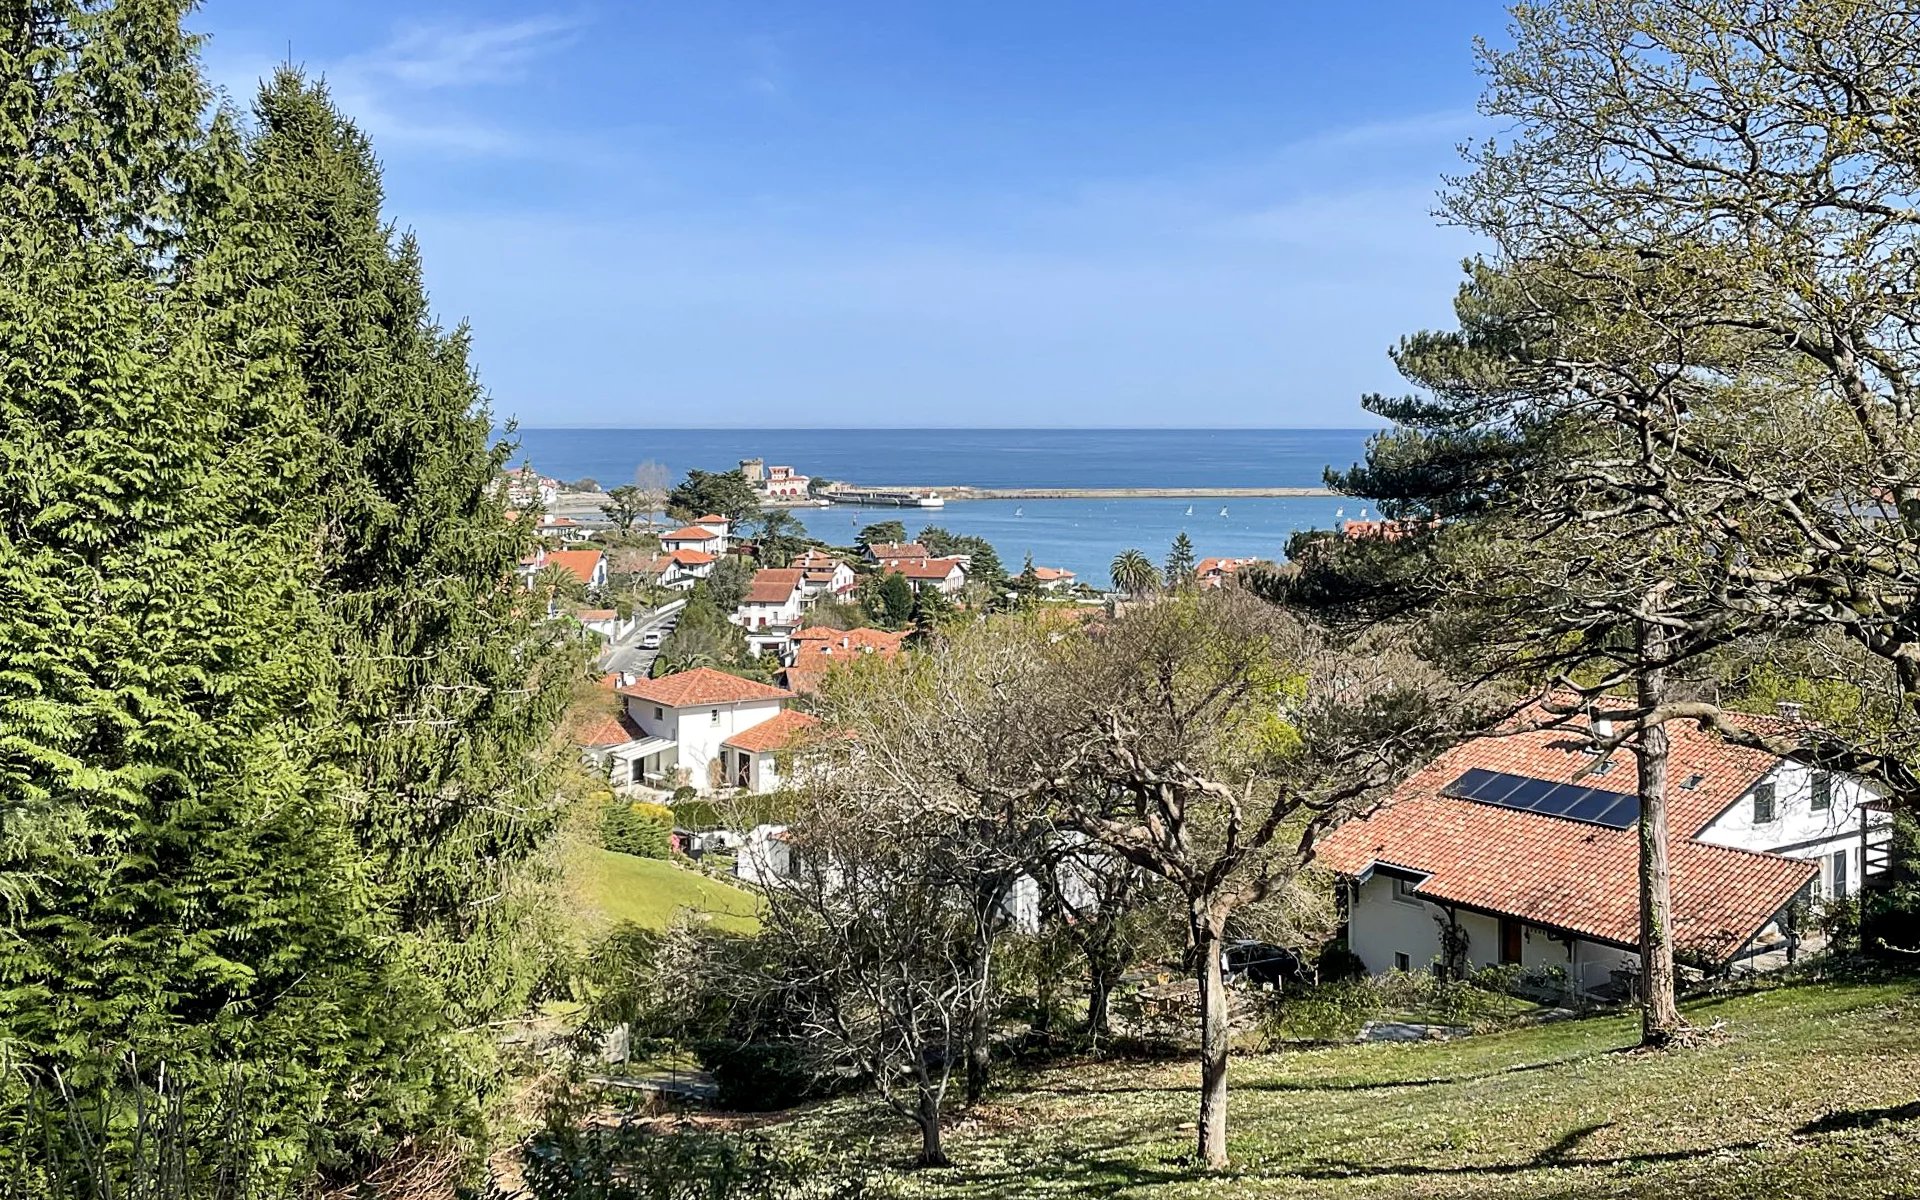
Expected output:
{"points": [[614, 887], [1807, 1091]]}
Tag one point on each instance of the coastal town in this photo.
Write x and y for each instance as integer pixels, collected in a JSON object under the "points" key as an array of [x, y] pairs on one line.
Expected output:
{"points": [[1076, 718]]}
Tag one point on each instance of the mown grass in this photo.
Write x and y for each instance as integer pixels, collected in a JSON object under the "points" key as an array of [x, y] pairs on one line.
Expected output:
{"points": [[1806, 1091], [610, 888]]}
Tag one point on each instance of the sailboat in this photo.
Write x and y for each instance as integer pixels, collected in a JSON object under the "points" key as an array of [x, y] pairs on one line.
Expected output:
{"points": [[1189, 510], [1223, 512], [1019, 512]]}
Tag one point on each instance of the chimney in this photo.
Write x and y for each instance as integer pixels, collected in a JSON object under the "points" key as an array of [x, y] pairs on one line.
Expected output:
{"points": [[1790, 709]]}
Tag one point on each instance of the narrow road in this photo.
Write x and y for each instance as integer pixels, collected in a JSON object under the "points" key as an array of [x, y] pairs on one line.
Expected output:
{"points": [[627, 655]]}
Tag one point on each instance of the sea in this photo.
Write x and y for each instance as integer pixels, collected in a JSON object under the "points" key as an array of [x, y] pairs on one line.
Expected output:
{"points": [[1082, 536]]}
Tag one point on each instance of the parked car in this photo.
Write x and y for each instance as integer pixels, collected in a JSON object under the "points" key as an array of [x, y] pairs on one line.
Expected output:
{"points": [[1262, 962], [650, 640]]}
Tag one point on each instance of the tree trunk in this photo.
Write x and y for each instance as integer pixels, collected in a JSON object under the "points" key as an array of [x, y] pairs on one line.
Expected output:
{"points": [[1102, 978], [1660, 1006], [1213, 1042], [932, 1154], [979, 1052]]}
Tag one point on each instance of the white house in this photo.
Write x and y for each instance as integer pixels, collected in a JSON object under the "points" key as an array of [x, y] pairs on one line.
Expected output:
{"points": [[754, 758], [822, 574], [773, 600], [944, 575], [1054, 579], [694, 537], [685, 566], [561, 529], [1497, 848], [685, 720], [719, 527]]}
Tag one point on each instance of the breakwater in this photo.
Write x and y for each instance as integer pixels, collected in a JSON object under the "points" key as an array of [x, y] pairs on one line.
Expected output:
{"points": [[1125, 493]]}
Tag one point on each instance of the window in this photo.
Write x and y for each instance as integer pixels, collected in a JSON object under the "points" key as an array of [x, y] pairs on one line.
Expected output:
{"points": [[1403, 891], [1822, 790], [659, 714], [716, 716], [1763, 806], [1839, 874], [1402, 963]]}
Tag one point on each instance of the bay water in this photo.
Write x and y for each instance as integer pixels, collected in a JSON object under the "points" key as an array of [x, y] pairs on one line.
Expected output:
{"points": [[1080, 535]]}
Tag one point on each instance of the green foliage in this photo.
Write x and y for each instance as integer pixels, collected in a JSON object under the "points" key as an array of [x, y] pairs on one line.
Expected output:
{"points": [[703, 638], [727, 586], [983, 561], [1180, 561], [896, 599], [882, 531], [1133, 574], [780, 537], [625, 506], [641, 830], [578, 1158], [724, 493]]}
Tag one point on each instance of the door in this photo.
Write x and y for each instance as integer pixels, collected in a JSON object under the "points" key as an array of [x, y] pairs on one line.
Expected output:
{"points": [[1510, 941]]}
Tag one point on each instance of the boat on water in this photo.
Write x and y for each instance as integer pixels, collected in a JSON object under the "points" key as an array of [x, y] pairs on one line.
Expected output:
{"points": [[1189, 510], [1019, 512], [1223, 512]]}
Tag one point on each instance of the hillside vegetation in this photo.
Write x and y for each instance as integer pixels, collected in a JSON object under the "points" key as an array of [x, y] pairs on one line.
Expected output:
{"points": [[1805, 1091], [650, 892]]}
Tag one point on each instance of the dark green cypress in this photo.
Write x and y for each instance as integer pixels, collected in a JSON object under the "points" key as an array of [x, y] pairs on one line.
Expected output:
{"points": [[448, 687]]}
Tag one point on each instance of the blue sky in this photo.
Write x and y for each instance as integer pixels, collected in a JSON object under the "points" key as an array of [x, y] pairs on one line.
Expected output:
{"points": [[978, 214]]}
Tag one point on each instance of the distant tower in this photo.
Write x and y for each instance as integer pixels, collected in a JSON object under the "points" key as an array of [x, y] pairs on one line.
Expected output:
{"points": [[755, 469]]}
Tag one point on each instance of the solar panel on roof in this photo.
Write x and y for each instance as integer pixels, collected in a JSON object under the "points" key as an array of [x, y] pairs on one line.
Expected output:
{"points": [[1575, 801]]}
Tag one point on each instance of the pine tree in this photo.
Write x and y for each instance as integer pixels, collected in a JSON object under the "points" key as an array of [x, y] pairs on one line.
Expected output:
{"points": [[179, 891], [896, 599], [448, 690], [1180, 561]]}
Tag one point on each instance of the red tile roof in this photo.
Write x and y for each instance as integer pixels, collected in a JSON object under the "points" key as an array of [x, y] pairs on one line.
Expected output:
{"points": [[817, 650], [777, 734], [597, 614], [711, 519], [922, 568], [583, 563], [604, 729], [773, 585], [886, 550], [1571, 875], [1050, 574], [702, 685], [689, 533], [692, 558]]}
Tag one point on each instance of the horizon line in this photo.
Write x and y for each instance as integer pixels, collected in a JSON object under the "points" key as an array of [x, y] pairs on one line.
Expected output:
{"points": [[957, 428]]}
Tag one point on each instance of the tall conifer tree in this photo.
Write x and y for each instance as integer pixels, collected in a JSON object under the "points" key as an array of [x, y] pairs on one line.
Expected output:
{"points": [[449, 691]]}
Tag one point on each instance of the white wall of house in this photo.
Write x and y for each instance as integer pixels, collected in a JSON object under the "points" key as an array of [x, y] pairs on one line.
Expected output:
{"points": [[1830, 835], [719, 529], [755, 615], [764, 856], [699, 730], [1382, 927]]}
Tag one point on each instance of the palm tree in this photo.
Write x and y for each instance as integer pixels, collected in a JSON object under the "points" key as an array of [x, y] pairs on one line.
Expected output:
{"points": [[1133, 573]]}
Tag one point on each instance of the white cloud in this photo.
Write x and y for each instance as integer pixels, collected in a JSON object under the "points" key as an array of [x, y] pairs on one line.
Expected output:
{"points": [[445, 55]]}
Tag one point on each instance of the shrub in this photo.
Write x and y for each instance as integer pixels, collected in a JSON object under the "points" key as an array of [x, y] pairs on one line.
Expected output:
{"points": [[643, 830], [761, 1076], [576, 1159]]}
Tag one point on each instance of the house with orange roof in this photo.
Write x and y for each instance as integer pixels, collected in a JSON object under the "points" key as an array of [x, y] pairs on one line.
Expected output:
{"points": [[754, 758], [815, 651], [685, 721], [773, 599], [704, 538], [824, 575], [556, 528], [1523, 847], [1055, 579], [1216, 572], [945, 575], [588, 566], [881, 553]]}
